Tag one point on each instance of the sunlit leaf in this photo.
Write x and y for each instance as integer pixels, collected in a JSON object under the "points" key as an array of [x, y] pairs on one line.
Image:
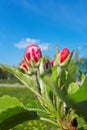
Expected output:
{"points": [[81, 94], [80, 108], [12, 113]]}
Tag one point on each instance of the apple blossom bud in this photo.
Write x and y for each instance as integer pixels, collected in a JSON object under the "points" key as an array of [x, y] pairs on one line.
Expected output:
{"points": [[64, 54], [67, 59], [63, 58], [33, 54]]}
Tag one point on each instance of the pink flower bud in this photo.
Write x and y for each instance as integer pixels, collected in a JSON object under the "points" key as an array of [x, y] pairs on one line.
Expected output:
{"points": [[24, 66], [64, 54], [52, 62], [33, 54]]}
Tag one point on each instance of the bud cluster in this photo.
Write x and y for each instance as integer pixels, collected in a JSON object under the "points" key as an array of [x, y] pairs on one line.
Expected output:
{"points": [[33, 59], [36, 65]]}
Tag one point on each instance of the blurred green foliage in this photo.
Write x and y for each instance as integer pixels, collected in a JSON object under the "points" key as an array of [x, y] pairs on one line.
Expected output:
{"points": [[25, 96]]}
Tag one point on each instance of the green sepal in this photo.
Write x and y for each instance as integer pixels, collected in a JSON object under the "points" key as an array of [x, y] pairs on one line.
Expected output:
{"points": [[57, 59], [41, 66]]}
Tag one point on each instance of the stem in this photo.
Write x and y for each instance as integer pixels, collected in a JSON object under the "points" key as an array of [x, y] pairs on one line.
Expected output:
{"points": [[50, 121], [38, 110], [55, 102], [59, 109], [38, 84]]}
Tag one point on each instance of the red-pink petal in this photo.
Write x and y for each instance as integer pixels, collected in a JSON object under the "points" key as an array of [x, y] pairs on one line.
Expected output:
{"points": [[24, 66], [63, 54]]}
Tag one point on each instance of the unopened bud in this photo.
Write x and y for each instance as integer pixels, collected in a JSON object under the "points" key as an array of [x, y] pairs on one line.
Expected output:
{"points": [[33, 54], [45, 66], [63, 58]]}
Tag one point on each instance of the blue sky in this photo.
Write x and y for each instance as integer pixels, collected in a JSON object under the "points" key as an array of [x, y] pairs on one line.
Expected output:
{"points": [[43, 22]]}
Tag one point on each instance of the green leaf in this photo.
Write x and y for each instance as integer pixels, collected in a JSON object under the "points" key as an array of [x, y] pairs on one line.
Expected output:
{"points": [[81, 94], [32, 104], [80, 98], [73, 88], [54, 75], [80, 108], [69, 79], [12, 113], [82, 77], [81, 123], [24, 78]]}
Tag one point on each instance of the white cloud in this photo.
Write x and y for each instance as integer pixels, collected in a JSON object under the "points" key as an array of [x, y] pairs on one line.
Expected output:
{"points": [[24, 43], [20, 45], [44, 46], [28, 39]]}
